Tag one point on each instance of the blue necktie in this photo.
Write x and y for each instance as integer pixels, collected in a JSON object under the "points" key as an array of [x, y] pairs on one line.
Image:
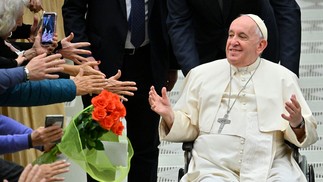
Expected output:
{"points": [[137, 22]]}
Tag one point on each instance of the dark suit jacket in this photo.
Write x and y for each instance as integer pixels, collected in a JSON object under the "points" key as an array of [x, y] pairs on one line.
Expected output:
{"points": [[105, 27], [199, 28], [288, 18]]}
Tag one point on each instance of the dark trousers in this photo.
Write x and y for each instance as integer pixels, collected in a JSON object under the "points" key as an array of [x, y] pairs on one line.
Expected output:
{"points": [[10, 171], [142, 122]]}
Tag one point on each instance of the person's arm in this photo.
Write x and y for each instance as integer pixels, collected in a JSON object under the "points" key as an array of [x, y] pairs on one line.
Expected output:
{"points": [[44, 92], [298, 111], [182, 34], [73, 51], [36, 93], [11, 77], [74, 12], [37, 69], [13, 135], [288, 18]]}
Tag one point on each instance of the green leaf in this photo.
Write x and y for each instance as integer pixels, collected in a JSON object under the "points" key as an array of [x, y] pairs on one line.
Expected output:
{"points": [[99, 145]]}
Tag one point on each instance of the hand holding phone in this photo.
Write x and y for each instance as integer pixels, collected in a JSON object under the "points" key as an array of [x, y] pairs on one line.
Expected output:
{"points": [[48, 28], [51, 120]]}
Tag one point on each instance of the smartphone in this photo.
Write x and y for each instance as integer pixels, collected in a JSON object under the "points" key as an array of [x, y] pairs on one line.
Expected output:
{"points": [[48, 28], [54, 120]]}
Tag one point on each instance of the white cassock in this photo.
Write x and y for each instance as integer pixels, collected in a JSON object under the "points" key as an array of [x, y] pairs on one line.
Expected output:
{"points": [[251, 148]]}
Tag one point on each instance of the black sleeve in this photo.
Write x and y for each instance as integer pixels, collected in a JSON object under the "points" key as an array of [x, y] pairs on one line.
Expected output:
{"points": [[8, 63], [22, 32]]}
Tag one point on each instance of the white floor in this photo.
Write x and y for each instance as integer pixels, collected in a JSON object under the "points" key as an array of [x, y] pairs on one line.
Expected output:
{"points": [[311, 81]]}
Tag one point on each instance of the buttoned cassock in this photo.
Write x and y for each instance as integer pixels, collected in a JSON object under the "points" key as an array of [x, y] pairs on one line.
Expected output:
{"points": [[197, 109]]}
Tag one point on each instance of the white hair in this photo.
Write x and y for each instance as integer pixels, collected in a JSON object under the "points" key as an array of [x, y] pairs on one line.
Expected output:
{"points": [[9, 13]]}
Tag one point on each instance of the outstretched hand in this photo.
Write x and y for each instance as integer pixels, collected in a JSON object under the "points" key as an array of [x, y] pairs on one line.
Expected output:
{"points": [[71, 50], [50, 171], [32, 173], [294, 110], [89, 84], [42, 66], [122, 88], [161, 105]]}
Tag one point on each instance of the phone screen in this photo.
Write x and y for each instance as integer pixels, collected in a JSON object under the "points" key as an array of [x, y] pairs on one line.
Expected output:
{"points": [[54, 120], [48, 28]]}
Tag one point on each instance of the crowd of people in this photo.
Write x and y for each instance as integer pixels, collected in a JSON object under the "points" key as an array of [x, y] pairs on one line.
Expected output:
{"points": [[228, 51]]}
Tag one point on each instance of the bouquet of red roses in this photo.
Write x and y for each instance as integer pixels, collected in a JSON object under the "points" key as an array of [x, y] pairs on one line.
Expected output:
{"points": [[84, 136], [102, 116]]}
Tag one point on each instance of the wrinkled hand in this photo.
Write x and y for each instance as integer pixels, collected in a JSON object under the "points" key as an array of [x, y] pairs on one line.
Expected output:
{"points": [[44, 49], [35, 5], [88, 68], [294, 110], [91, 59], [122, 88], [172, 77], [31, 174], [89, 84], [42, 136], [49, 171], [41, 66], [71, 50], [161, 105]]}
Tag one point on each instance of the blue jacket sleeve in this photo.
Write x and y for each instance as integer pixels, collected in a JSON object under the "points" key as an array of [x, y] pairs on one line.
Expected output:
{"points": [[13, 135], [11, 77], [36, 93]]}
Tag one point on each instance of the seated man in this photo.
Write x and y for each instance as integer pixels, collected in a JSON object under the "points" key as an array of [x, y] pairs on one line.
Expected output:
{"points": [[239, 110]]}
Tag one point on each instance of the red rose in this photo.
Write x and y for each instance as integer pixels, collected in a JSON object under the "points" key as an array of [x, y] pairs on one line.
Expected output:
{"points": [[99, 101], [117, 128], [99, 113], [107, 122]]}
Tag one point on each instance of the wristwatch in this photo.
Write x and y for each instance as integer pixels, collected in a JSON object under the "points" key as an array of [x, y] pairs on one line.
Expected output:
{"points": [[301, 125], [26, 73]]}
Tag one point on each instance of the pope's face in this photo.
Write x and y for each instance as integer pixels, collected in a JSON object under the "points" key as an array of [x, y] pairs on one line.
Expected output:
{"points": [[244, 45]]}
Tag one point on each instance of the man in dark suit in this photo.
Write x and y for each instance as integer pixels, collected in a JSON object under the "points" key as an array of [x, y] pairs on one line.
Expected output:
{"points": [[288, 18], [105, 25], [199, 29]]}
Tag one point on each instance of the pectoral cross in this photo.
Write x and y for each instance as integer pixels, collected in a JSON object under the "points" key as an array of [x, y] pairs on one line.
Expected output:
{"points": [[223, 121]]}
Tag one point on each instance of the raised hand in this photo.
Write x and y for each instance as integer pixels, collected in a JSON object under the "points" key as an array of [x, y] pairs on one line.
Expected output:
{"points": [[71, 50], [294, 110], [89, 84], [41, 67], [122, 88], [161, 105]]}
